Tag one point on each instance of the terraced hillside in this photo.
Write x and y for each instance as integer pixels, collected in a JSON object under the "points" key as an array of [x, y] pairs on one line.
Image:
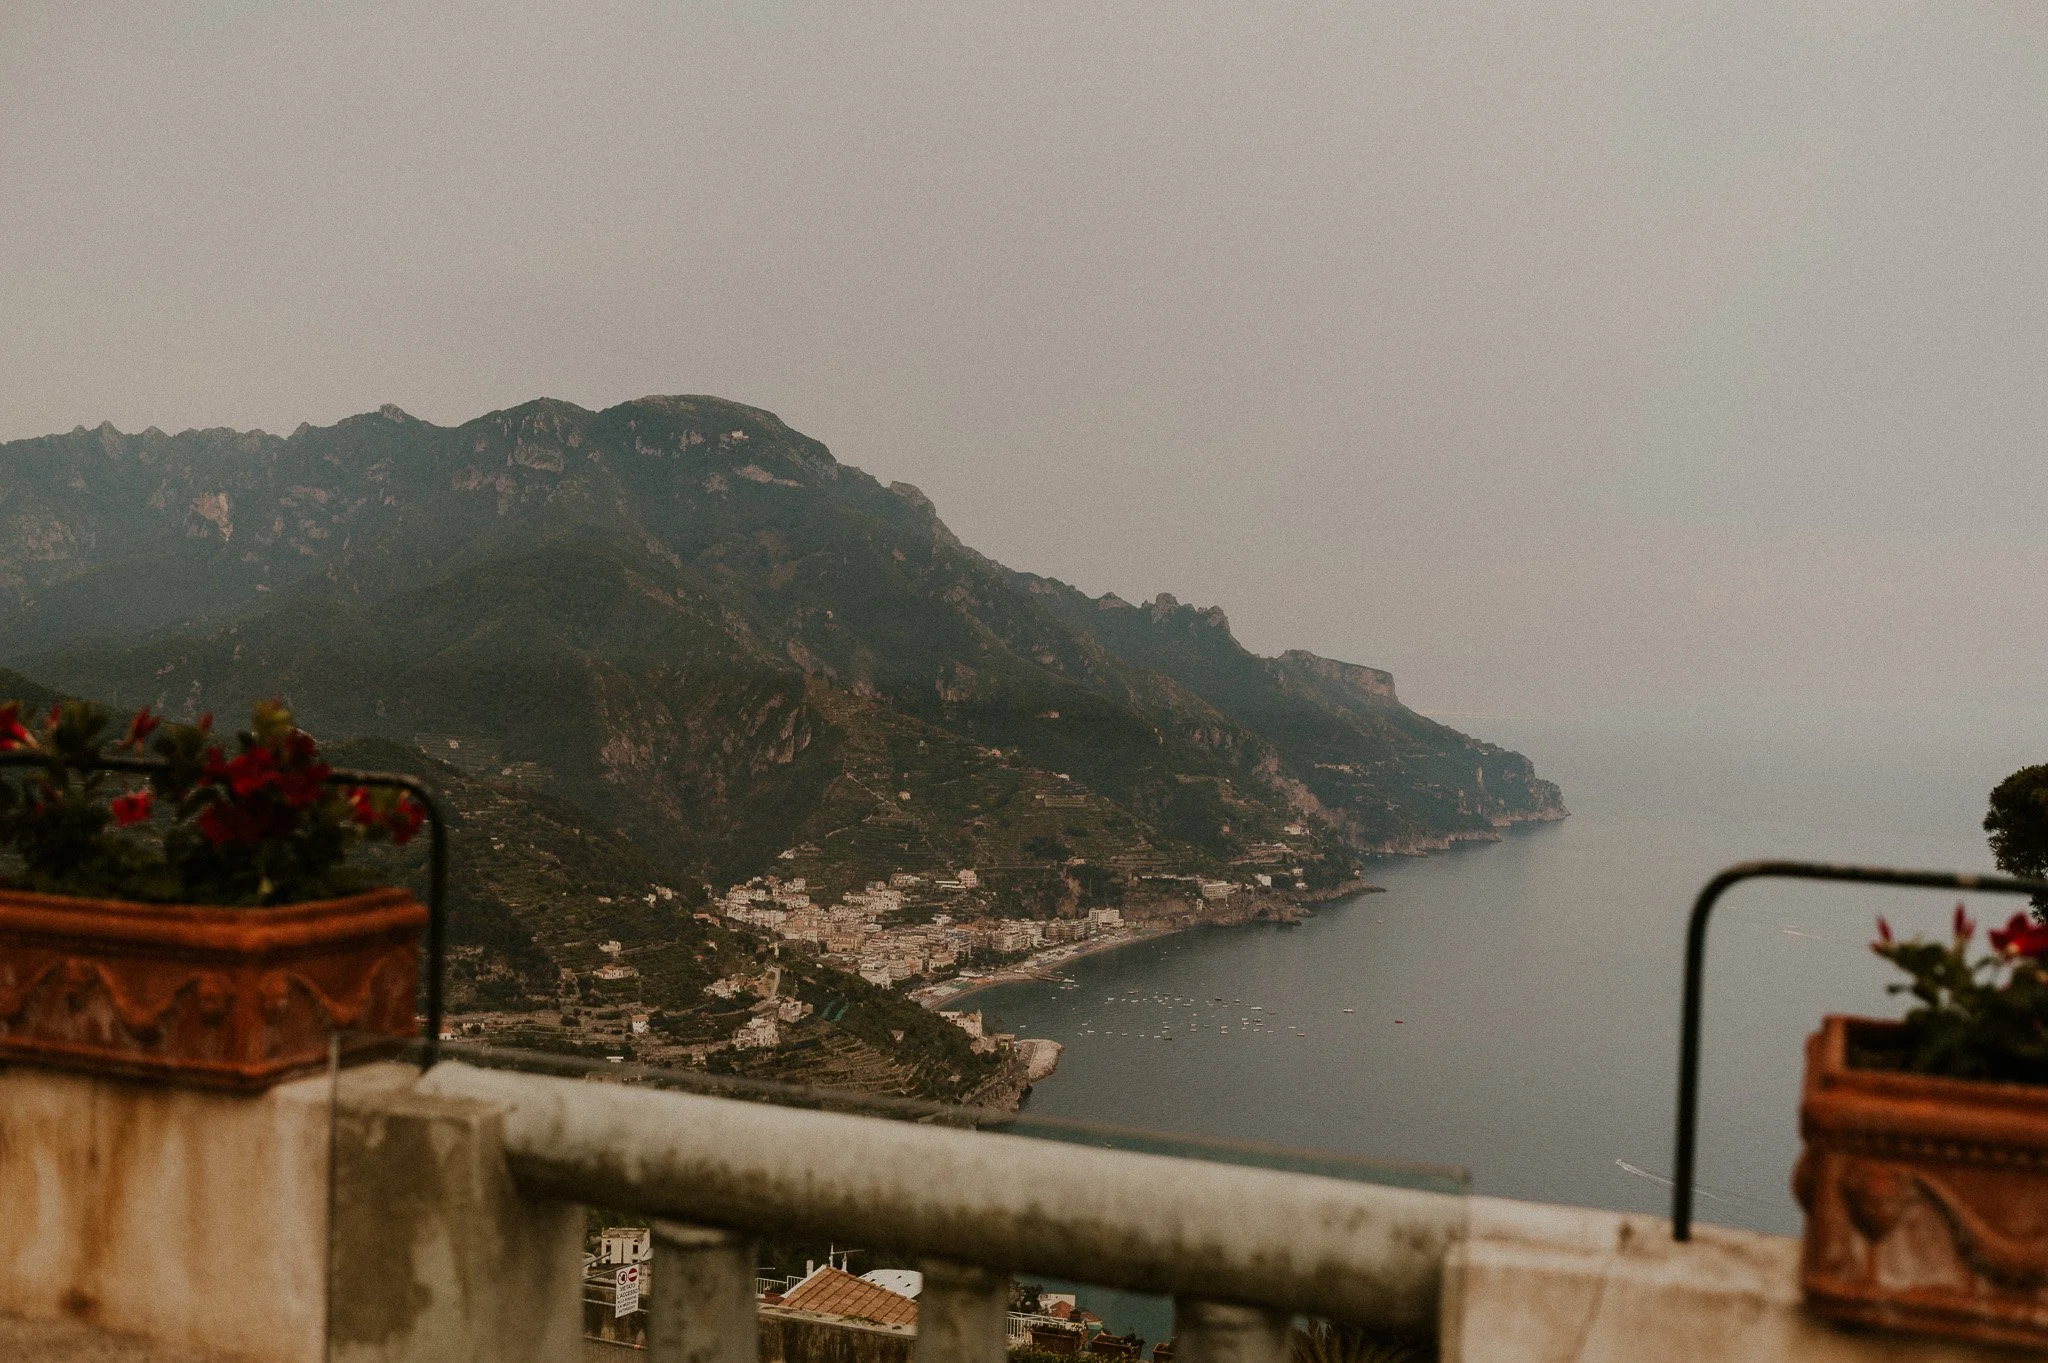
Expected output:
{"points": [[690, 621], [652, 651], [535, 893]]}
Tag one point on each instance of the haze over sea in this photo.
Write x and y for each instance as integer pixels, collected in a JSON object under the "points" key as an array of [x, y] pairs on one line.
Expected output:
{"points": [[1517, 1003]]}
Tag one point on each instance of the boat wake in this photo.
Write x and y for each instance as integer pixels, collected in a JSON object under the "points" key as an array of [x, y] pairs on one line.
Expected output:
{"points": [[1707, 1193]]}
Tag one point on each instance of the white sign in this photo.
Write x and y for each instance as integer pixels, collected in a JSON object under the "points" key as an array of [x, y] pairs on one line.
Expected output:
{"points": [[626, 1290]]}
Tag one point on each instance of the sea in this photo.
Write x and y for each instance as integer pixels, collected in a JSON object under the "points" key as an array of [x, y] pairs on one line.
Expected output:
{"points": [[1512, 1008]]}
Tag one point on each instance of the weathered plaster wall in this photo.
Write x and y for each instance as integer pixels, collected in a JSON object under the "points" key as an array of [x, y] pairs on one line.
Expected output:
{"points": [[197, 1219], [1568, 1285], [436, 1256], [203, 1221]]}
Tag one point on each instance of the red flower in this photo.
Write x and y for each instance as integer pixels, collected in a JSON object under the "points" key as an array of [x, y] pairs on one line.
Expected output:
{"points": [[361, 808], [302, 786], [2021, 936], [12, 733], [1884, 933], [251, 772], [1965, 926], [406, 818], [141, 727], [133, 807], [226, 823], [220, 825]]}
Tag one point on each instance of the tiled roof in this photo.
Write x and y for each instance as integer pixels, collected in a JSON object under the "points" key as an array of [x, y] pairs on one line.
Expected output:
{"points": [[829, 1292]]}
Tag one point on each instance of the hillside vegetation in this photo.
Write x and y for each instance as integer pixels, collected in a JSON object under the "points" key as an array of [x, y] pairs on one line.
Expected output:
{"points": [[686, 634]]}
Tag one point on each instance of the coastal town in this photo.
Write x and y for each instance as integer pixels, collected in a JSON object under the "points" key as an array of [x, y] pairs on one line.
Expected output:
{"points": [[937, 937], [911, 927], [932, 938]]}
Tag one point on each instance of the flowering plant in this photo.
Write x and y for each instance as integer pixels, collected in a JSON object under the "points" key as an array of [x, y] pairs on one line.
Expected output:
{"points": [[265, 826], [1981, 1019]]}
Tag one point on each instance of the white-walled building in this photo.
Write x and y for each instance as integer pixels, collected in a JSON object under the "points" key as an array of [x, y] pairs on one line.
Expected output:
{"points": [[625, 1245]]}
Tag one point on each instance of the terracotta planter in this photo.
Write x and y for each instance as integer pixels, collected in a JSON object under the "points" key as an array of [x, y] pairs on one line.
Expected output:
{"points": [[1926, 1198], [222, 998]]}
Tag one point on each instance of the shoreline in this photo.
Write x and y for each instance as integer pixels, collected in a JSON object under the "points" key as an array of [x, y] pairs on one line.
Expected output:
{"points": [[1038, 966], [1034, 967]]}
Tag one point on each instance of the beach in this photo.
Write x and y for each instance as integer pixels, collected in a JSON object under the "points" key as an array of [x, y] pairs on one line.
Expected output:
{"points": [[1037, 966]]}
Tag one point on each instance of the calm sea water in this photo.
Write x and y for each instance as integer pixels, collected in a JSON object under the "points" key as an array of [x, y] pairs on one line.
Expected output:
{"points": [[1513, 1008]]}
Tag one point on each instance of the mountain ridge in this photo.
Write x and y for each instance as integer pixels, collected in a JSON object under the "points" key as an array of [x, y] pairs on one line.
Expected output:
{"points": [[674, 645], [670, 570]]}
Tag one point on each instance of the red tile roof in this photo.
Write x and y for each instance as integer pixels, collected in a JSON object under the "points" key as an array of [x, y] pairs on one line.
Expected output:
{"points": [[829, 1292]]}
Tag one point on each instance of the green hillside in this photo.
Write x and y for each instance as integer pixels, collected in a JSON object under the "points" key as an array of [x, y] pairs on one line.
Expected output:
{"points": [[677, 644], [644, 607], [536, 889]]}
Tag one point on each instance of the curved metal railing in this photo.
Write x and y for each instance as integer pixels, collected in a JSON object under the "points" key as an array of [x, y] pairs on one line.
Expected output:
{"points": [[1685, 1147]]}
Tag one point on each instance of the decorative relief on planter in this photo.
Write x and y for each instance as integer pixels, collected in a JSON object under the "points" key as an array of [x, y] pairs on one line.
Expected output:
{"points": [[230, 998], [1926, 1198]]}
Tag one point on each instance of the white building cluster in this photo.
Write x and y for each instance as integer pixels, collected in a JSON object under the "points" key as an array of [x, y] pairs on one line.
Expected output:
{"points": [[857, 934], [764, 1027]]}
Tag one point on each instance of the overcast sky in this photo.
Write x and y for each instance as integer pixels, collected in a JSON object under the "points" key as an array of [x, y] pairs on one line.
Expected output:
{"points": [[1574, 362]]}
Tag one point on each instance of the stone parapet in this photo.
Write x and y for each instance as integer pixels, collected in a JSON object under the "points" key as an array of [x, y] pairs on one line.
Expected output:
{"points": [[379, 1217], [203, 1222], [197, 1219], [1569, 1285]]}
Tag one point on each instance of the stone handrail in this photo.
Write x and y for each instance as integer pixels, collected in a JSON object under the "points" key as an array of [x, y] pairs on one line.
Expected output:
{"points": [[375, 1215], [1241, 1250]]}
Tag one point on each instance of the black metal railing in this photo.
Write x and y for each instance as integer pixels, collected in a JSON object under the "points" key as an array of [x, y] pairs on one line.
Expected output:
{"points": [[1686, 1145], [437, 854]]}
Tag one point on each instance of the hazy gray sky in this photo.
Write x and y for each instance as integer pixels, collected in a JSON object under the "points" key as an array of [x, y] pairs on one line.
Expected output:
{"points": [[1569, 360]]}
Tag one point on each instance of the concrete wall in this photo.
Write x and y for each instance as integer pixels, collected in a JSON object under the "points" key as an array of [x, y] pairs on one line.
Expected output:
{"points": [[198, 1219], [788, 1337], [435, 1255], [204, 1221], [1568, 1285]]}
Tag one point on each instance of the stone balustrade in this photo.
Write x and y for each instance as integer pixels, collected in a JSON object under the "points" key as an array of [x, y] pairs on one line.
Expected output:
{"points": [[381, 1216]]}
